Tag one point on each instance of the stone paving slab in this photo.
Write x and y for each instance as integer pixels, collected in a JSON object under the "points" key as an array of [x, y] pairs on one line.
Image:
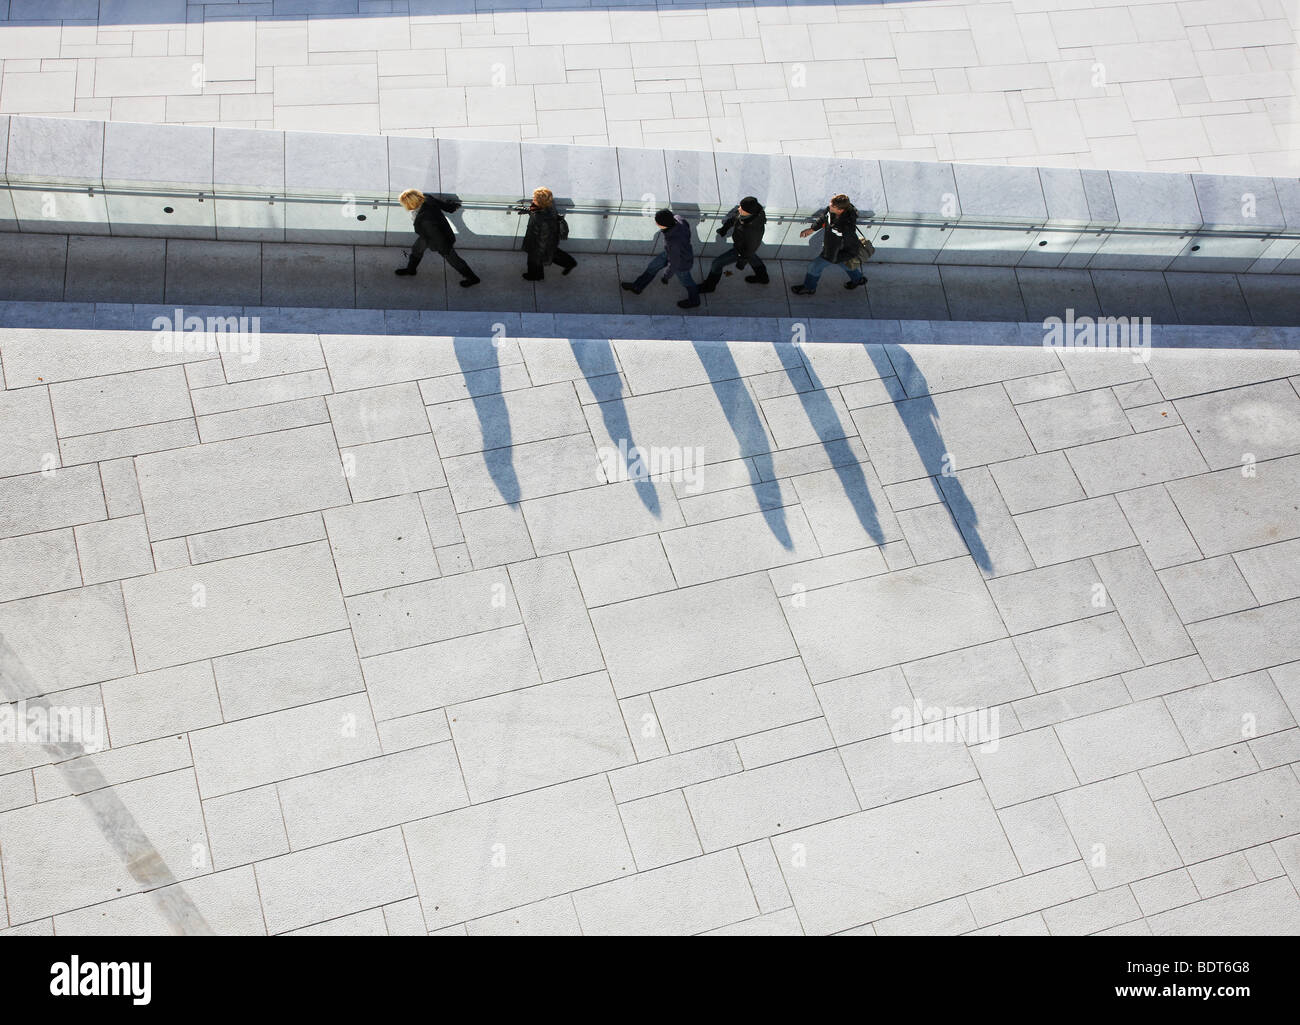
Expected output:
{"points": [[806, 677], [1198, 86]]}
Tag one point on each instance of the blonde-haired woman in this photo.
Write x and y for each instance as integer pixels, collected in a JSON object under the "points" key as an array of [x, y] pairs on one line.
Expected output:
{"points": [[542, 237], [433, 231]]}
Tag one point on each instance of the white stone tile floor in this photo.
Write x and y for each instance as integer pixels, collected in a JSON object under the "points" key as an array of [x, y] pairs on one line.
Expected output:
{"points": [[896, 639], [1193, 85]]}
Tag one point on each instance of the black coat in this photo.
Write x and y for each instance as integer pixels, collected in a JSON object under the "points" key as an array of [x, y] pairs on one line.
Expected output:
{"points": [[542, 236], [746, 232], [677, 244], [840, 238], [432, 226]]}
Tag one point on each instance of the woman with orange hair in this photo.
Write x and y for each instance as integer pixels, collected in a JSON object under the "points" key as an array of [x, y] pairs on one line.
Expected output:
{"points": [[543, 235]]}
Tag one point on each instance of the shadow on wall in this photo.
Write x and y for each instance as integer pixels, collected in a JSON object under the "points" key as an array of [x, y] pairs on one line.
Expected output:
{"points": [[751, 436], [490, 408], [596, 359], [467, 234], [921, 420], [501, 227]]}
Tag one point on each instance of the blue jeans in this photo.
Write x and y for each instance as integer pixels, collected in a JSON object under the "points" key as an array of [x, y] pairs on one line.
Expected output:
{"points": [[657, 263], [818, 265]]}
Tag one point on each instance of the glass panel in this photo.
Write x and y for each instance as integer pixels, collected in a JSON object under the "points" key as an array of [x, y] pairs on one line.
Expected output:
{"points": [[614, 226], [60, 209], [985, 246], [1220, 254], [147, 215], [250, 218], [331, 220]]}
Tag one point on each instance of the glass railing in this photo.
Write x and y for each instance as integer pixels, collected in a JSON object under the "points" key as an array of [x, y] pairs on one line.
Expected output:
{"points": [[616, 227]]}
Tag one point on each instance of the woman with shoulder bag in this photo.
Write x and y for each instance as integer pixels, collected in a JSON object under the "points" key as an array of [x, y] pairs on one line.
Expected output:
{"points": [[546, 229], [840, 245]]}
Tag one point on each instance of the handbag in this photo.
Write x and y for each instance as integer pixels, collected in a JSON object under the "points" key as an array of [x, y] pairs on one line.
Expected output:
{"points": [[564, 226], [865, 252]]}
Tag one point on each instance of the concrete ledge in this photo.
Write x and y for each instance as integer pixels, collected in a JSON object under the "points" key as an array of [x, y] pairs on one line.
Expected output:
{"points": [[58, 151], [314, 187], [240, 156], [155, 157], [349, 174], [55, 150]]}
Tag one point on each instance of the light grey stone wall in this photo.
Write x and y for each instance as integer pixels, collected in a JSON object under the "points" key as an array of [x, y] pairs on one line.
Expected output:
{"points": [[247, 184]]}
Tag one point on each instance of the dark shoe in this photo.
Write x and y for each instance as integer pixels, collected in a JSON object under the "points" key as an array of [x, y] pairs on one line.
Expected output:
{"points": [[630, 286], [531, 277], [800, 290], [851, 285], [473, 280], [710, 283], [757, 279], [689, 304], [567, 269], [404, 272]]}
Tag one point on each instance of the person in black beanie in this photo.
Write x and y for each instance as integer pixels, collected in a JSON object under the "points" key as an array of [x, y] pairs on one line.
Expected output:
{"points": [[745, 223], [678, 256], [433, 231]]}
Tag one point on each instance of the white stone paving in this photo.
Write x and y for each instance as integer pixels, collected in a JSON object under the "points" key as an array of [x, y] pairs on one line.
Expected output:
{"points": [[471, 681], [1202, 85]]}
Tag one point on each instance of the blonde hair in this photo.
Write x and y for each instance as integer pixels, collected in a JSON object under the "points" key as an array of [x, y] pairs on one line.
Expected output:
{"points": [[543, 197], [412, 199]]}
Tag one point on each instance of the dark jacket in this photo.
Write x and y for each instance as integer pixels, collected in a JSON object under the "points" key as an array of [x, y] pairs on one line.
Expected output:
{"points": [[677, 244], [840, 238], [542, 236], [746, 232], [431, 224]]}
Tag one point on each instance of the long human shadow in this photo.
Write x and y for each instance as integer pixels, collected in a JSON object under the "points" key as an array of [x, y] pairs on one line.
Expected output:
{"points": [[830, 431], [921, 419], [596, 360], [479, 356], [751, 436]]}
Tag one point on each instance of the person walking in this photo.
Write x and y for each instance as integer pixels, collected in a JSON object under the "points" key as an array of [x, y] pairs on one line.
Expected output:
{"points": [[678, 256], [542, 237], [433, 231], [745, 223], [839, 246]]}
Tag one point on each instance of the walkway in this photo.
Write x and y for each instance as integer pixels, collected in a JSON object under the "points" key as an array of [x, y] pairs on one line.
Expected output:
{"points": [[143, 270]]}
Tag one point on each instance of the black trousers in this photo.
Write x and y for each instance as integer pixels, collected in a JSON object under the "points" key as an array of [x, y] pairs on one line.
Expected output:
{"points": [[561, 259], [726, 259], [451, 256]]}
